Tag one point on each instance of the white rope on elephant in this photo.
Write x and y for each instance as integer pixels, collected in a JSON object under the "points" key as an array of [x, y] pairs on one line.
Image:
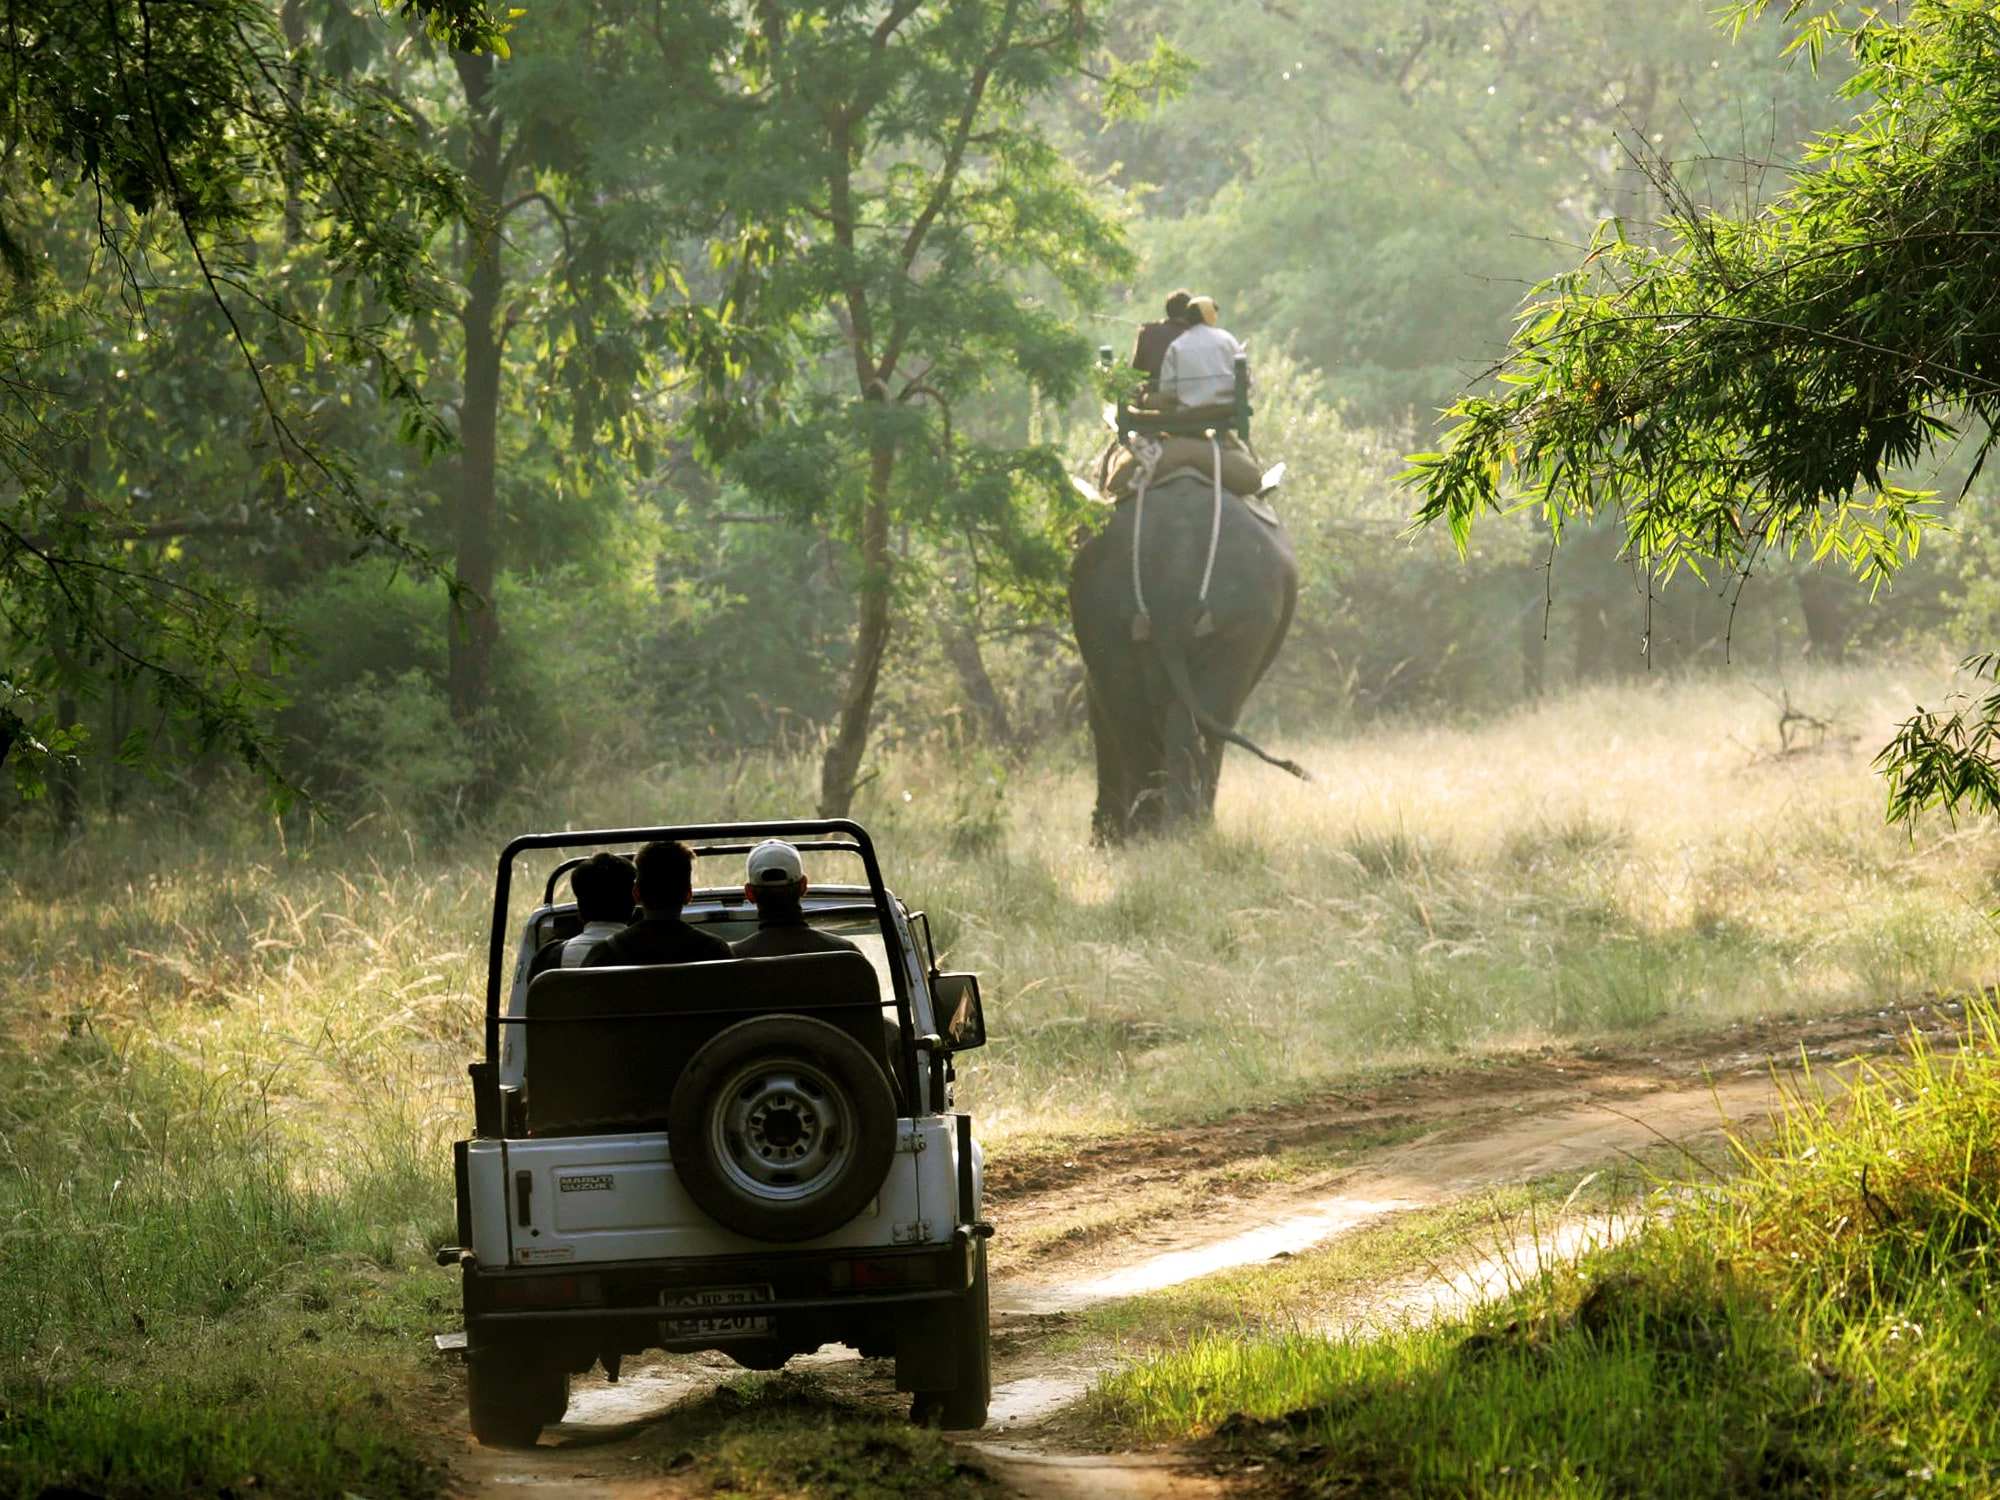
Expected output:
{"points": [[1215, 521], [1147, 453]]}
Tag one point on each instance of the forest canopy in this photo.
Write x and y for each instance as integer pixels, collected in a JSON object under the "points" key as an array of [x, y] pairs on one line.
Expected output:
{"points": [[157, 157], [398, 397], [1760, 383]]}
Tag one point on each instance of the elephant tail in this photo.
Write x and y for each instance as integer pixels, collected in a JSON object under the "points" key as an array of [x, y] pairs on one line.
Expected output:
{"points": [[1173, 656]]}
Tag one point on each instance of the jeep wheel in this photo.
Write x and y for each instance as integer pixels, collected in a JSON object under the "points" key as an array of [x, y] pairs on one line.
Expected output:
{"points": [[782, 1127], [511, 1399], [963, 1407]]}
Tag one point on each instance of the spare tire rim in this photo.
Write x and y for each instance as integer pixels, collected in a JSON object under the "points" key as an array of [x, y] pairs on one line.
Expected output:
{"points": [[782, 1129]]}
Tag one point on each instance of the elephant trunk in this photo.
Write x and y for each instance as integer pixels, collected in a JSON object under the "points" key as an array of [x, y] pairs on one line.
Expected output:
{"points": [[1173, 656]]}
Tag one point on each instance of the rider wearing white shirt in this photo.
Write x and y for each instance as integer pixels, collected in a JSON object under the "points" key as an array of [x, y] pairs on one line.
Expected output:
{"points": [[602, 885], [577, 949], [603, 888], [1200, 367]]}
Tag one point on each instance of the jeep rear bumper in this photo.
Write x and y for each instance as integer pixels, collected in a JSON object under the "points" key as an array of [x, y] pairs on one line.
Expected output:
{"points": [[830, 1291]]}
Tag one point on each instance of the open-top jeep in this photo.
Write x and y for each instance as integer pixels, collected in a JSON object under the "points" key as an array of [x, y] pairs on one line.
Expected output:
{"points": [[756, 1155]]}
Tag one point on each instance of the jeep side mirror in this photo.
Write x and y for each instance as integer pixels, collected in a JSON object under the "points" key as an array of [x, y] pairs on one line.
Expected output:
{"points": [[957, 1000]]}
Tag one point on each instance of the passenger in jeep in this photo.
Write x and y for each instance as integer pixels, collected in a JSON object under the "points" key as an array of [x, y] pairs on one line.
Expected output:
{"points": [[603, 886], [665, 881], [776, 885], [776, 882]]}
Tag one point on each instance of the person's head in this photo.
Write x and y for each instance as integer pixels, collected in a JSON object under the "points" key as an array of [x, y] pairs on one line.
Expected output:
{"points": [[1199, 310], [773, 877], [665, 877], [603, 886], [1177, 304]]}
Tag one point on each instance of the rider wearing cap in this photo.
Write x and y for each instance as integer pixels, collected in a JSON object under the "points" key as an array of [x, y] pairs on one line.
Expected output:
{"points": [[775, 881]]}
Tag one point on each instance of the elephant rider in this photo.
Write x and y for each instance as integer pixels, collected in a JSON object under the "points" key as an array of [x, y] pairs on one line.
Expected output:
{"points": [[1199, 368], [775, 882], [665, 880], [1149, 350]]}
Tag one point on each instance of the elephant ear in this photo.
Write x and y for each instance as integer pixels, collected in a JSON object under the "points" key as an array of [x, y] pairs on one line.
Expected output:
{"points": [[1259, 507]]}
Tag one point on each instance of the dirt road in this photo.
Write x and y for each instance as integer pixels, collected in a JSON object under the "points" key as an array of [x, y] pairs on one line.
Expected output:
{"points": [[1116, 1218]]}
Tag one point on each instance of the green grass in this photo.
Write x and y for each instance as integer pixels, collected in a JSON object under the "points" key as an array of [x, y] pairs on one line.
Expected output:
{"points": [[1817, 1323], [173, 1442], [223, 1164], [1314, 1286], [784, 1436]]}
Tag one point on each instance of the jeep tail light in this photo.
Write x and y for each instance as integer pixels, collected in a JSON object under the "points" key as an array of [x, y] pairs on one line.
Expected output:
{"points": [[878, 1275], [543, 1291]]}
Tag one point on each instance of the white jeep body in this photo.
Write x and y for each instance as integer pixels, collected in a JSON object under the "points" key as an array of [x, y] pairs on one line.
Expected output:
{"points": [[615, 1198], [582, 1244]]}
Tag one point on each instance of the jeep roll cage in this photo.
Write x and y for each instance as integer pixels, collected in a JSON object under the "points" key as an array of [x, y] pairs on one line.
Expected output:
{"points": [[814, 834]]}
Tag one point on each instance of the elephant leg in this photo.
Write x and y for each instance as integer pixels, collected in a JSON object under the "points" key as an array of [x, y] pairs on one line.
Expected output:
{"points": [[1221, 675], [1111, 819], [1186, 767], [1211, 776]]}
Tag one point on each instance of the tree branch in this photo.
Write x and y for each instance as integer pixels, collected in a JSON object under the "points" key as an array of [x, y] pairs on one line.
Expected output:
{"points": [[536, 195], [947, 178]]}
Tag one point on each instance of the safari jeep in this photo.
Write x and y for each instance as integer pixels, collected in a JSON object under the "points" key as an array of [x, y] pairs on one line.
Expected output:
{"points": [[752, 1155]]}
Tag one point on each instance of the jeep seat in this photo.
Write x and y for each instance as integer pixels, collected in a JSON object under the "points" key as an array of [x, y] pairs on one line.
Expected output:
{"points": [[607, 1045]]}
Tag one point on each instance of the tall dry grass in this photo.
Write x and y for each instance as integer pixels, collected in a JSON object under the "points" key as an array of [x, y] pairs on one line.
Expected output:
{"points": [[1626, 858]]}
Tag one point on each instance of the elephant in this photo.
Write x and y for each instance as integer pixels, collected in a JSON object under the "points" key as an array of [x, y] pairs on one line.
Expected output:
{"points": [[1163, 697]]}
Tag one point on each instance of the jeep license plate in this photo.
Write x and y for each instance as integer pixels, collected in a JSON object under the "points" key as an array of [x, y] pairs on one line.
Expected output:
{"points": [[715, 1322]]}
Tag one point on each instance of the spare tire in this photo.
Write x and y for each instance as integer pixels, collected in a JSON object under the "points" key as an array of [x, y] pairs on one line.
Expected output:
{"points": [[782, 1127]]}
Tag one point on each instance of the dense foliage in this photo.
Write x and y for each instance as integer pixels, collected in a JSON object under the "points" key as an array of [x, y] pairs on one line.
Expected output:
{"points": [[1376, 185], [1760, 383], [693, 381], [918, 251], [159, 159]]}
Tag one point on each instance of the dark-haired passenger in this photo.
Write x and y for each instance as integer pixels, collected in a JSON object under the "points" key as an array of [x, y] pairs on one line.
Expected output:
{"points": [[663, 882], [1149, 350], [603, 887]]}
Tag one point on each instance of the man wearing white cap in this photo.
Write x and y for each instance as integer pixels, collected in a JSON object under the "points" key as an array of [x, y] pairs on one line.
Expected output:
{"points": [[775, 881]]}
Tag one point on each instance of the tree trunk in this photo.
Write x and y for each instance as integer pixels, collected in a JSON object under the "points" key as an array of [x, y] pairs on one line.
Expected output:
{"points": [[961, 648], [840, 769], [475, 625], [1821, 601], [66, 777]]}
